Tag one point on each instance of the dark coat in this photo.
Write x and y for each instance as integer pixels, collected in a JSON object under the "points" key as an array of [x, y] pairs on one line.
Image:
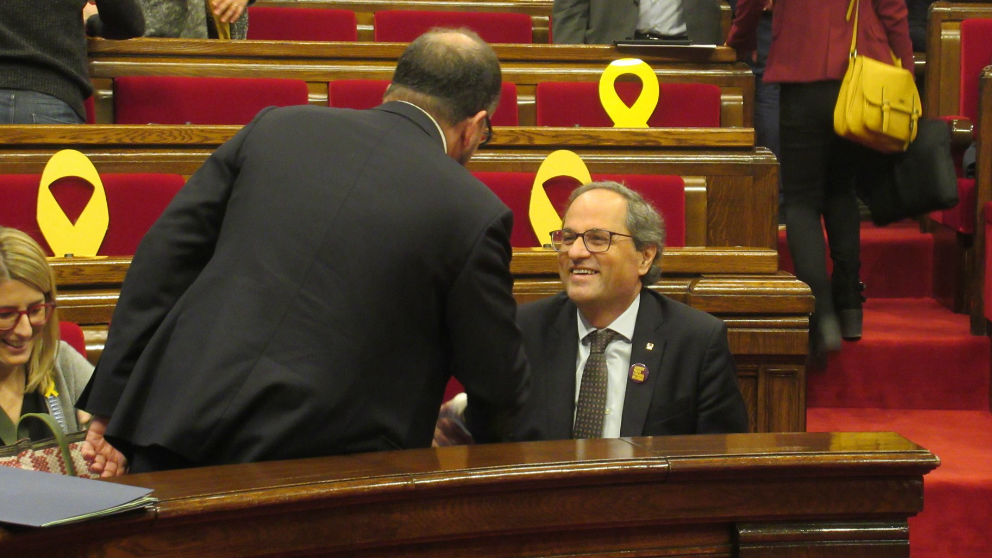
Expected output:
{"points": [[310, 291], [691, 386]]}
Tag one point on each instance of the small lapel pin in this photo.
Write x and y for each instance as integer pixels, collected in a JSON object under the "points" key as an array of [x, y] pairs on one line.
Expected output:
{"points": [[638, 373], [649, 346]]}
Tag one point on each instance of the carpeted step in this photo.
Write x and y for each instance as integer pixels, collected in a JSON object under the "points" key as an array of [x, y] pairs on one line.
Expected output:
{"points": [[957, 504], [915, 354], [896, 260]]}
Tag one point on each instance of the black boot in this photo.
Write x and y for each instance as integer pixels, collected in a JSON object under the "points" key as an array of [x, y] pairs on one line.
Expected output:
{"points": [[848, 298]]}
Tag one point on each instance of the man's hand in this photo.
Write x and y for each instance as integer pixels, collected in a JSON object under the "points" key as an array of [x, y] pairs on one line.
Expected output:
{"points": [[450, 429], [103, 458], [228, 11]]}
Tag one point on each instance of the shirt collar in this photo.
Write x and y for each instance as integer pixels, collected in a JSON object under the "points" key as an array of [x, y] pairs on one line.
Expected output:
{"points": [[623, 324], [444, 141]]}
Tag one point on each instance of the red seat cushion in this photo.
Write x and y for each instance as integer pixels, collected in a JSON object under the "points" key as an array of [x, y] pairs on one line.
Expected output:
{"points": [[367, 93], [976, 53], [72, 334], [200, 100], [271, 23], [577, 104], [403, 26], [987, 277], [665, 192], [135, 202]]}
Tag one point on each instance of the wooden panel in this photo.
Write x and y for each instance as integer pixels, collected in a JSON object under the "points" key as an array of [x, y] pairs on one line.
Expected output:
{"points": [[943, 69], [727, 495], [317, 63]]}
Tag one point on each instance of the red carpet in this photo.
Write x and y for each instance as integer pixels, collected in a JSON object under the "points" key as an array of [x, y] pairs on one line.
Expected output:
{"points": [[917, 371]]}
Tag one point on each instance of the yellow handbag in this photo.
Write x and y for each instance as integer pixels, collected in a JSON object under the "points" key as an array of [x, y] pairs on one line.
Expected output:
{"points": [[878, 105]]}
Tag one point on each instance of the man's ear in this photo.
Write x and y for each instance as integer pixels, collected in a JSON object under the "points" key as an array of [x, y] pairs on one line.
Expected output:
{"points": [[469, 129], [647, 258]]}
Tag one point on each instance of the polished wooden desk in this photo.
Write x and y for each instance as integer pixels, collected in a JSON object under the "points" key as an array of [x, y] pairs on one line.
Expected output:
{"points": [[318, 63], [795, 494]]}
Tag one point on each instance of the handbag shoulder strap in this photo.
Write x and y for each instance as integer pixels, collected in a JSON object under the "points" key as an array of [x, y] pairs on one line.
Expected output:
{"points": [[56, 431], [854, 6]]}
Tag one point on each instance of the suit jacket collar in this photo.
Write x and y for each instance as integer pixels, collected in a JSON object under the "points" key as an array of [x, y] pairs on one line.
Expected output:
{"points": [[647, 350], [418, 116]]}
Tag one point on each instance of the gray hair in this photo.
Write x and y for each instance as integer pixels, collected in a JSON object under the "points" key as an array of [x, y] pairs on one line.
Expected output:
{"points": [[448, 76], [645, 224]]}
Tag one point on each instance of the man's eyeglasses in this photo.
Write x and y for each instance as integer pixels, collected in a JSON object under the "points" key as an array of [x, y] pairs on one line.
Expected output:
{"points": [[595, 240], [487, 134], [38, 315]]}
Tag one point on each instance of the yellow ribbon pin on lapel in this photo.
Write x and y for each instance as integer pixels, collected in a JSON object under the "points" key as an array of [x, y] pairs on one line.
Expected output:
{"points": [[85, 236], [637, 115], [543, 217]]}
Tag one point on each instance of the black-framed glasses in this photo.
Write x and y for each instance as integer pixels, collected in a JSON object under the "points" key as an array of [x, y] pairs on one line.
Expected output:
{"points": [[595, 240], [38, 315], [487, 134]]}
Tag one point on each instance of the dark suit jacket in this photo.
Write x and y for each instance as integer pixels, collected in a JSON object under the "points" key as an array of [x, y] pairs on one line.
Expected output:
{"points": [[605, 21], [812, 39], [309, 292], [691, 387]]}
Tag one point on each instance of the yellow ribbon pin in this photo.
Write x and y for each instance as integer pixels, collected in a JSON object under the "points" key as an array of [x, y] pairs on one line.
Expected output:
{"points": [[543, 217], [85, 236], [637, 115]]}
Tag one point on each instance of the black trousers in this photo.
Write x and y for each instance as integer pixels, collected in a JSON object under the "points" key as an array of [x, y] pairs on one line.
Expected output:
{"points": [[820, 173]]}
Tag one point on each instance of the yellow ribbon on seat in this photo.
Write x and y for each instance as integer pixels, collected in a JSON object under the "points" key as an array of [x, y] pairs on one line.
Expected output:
{"points": [[85, 236], [543, 217], [636, 115]]}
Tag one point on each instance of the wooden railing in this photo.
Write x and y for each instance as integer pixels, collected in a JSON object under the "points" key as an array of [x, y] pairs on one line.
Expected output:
{"points": [[796, 494]]}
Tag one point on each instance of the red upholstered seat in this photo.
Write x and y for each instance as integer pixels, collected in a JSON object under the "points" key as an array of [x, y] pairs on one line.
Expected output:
{"points": [[200, 100], [272, 23], [90, 107], [665, 192], [402, 26], [72, 334], [367, 93], [577, 104], [987, 272], [134, 201]]}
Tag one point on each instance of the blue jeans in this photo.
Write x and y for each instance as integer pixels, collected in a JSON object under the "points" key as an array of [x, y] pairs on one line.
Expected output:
{"points": [[23, 106]]}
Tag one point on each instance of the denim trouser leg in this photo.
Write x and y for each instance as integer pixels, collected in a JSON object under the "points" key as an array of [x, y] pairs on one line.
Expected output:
{"points": [[23, 106]]}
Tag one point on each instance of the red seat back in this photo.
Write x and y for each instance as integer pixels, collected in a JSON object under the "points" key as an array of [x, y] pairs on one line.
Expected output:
{"points": [[976, 53], [72, 334], [577, 104], [200, 100], [665, 192], [367, 93], [272, 23], [135, 202], [403, 26]]}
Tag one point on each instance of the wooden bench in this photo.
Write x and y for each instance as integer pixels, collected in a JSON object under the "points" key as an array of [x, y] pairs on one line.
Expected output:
{"points": [[943, 66], [318, 63], [731, 271], [795, 494]]}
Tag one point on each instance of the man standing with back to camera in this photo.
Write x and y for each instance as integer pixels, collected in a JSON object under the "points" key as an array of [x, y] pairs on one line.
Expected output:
{"points": [[315, 283]]}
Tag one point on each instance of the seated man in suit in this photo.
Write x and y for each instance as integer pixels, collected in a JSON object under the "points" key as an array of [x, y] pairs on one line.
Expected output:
{"points": [[668, 369], [605, 21]]}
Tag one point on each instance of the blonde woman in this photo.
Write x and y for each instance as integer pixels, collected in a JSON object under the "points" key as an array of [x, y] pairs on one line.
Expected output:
{"points": [[38, 372]]}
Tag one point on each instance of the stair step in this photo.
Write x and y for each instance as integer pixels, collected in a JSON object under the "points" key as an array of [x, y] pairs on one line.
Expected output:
{"points": [[915, 354], [957, 502], [896, 260]]}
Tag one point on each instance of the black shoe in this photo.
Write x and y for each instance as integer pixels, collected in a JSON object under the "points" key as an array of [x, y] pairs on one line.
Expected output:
{"points": [[824, 337], [850, 323]]}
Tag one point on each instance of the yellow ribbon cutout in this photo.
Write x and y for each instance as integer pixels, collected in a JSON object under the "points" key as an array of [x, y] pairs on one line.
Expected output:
{"points": [[543, 217], [85, 236], [637, 115]]}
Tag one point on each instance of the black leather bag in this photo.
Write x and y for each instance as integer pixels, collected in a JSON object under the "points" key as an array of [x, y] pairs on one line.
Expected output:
{"points": [[918, 181]]}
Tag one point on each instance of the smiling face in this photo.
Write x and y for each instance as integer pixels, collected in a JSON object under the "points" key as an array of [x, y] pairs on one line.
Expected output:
{"points": [[16, 345], [602, 284]]}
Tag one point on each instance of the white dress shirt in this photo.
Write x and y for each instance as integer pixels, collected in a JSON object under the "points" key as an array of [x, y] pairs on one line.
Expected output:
{"points": [[663, 17], [617, 364]]}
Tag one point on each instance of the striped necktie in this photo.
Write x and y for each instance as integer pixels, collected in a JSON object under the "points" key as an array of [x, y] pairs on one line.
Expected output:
{"points": [[591, 407]]}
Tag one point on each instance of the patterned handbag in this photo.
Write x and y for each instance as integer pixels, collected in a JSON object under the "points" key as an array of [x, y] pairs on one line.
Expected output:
{"points": [[60, 454]]}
